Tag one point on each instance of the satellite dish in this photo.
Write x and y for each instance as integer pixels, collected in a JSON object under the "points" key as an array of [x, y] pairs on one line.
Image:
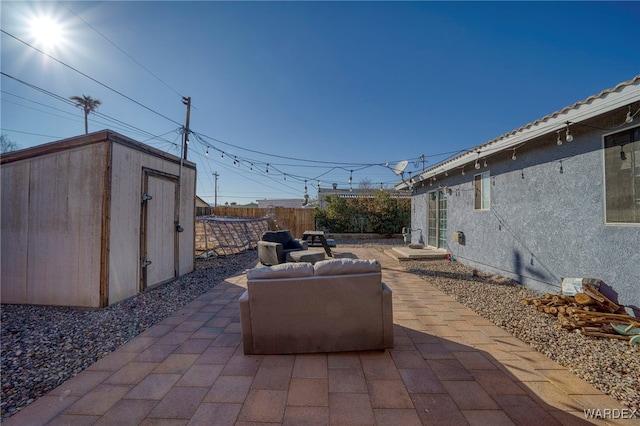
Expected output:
{"points": [[399, 168]]}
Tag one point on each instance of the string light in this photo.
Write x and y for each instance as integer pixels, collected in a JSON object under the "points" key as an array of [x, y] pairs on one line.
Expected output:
{"points": [[558, 140], [629, 118], [513, 157], [569, 136], [284, 179], [267, 169], [207, 153], [477, 166], [222, 155], [305, 186], [235, 161], [485, 162]]}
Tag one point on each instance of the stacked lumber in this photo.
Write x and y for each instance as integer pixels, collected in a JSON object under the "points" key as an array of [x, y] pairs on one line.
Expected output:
{"points": [[589, 312]]}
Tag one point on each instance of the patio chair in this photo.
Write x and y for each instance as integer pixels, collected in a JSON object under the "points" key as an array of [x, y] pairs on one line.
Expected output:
{"points": [[274, 246]]}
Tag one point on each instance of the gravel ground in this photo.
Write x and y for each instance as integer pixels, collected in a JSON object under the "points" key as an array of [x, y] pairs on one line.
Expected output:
{"points": [[44, 346], [611, 365]]}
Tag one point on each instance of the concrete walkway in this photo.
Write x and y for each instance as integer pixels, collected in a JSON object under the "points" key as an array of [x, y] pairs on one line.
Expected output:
{"points": [[449, 366]]}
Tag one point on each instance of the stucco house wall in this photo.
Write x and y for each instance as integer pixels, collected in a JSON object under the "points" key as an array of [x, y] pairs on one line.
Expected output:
{"points": [[546, 218]]}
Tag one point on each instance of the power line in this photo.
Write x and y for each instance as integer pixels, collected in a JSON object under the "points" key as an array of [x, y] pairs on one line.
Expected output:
{"points": [[128, 127], [90, 78], [120, 49], [29, 133], [286, 157]]}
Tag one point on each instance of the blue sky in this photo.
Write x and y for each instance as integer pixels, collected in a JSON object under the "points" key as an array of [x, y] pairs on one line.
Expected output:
{"points": [[314, 89]]}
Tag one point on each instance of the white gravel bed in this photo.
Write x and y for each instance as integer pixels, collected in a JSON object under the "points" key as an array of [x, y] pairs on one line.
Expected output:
{"points": [[43, 346], [610, 365]]}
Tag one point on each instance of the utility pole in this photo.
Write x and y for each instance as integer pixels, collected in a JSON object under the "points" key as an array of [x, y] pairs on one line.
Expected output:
{"points": [[187, 102], [215, 189]]}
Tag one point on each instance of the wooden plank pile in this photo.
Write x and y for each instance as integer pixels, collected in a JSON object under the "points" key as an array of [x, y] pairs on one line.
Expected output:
{"points": [[589, 311]]}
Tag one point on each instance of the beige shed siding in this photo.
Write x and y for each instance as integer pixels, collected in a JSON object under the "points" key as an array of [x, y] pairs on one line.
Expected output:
{"points": [[127, 173], [71, 220], [63, 216], [15, 207], [188, 221]]}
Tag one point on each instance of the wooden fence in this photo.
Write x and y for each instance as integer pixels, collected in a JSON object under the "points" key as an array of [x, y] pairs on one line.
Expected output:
{"points": [[297, 220]]}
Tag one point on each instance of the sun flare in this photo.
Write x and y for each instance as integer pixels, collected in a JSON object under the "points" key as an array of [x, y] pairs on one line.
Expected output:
{"points": [[46, 32]]}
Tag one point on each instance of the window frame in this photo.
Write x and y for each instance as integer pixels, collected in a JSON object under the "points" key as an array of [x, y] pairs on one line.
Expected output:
{"points": [[633, 156], [482, 194]]}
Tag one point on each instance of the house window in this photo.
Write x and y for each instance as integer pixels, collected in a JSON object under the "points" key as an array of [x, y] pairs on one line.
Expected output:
{"points": [[622, 176], [481, 186]]}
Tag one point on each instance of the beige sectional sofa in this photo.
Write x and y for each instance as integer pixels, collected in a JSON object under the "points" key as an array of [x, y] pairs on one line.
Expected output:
{"points": [[334, 305]]}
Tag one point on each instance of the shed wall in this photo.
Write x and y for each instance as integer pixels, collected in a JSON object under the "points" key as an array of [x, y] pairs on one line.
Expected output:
{"points": [[546, 219], [127, 166], [51, 215]]}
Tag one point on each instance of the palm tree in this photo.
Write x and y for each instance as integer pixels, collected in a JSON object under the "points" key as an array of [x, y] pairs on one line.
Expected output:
{"points": [[88, 105]]}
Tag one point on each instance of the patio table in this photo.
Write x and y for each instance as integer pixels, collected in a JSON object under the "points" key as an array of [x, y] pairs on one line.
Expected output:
{"points": [[314, 237]]}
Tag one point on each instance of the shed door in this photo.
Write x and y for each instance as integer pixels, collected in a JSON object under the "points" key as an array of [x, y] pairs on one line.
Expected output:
{"points": [[159, 240]]}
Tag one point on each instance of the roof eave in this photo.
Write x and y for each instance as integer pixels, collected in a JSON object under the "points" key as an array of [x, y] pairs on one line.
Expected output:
{"points": [[609, 100]]}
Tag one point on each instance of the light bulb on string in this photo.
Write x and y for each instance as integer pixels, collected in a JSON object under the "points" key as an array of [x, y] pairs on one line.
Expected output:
{"points": [[284, 178], [629, 118], [235, 161], [207, 152], [267, 169], [485, 162], [559, 140], [305, 186], [513, 157], [569, 136], [251, 167], [222, 155], [477, 166]]}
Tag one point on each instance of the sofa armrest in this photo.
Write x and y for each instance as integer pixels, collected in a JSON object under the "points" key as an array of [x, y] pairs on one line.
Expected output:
{"points": [[245, 322], [270, 253], [303, 243]]}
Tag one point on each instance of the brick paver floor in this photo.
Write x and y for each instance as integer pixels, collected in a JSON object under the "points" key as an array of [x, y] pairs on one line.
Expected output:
{"points": [[449, 366]]}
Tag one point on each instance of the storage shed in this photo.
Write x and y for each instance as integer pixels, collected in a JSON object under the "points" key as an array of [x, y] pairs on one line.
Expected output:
{"points": [[92, 220]]}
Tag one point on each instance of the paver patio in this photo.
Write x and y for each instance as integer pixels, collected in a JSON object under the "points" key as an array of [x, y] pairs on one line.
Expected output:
{"points": [[449, 366]]}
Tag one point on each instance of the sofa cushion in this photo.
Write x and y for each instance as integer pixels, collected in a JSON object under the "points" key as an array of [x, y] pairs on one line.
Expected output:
{"points": [[346, 266], [283, 270], [283, 237]]}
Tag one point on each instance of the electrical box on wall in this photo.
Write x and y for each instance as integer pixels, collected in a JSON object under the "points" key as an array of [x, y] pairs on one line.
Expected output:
{"points": [[458, 237]]}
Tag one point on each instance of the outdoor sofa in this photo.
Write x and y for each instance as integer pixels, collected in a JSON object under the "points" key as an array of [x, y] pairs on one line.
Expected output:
{"points": [[332, 306]]}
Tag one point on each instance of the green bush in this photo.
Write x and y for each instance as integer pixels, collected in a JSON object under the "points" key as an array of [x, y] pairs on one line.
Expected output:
{"points": [[378, 213]]}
